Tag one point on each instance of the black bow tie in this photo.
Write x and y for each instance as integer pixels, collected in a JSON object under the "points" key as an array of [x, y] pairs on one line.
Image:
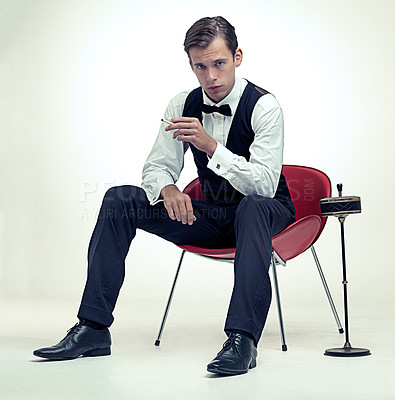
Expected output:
{"points": [[224, 109]]}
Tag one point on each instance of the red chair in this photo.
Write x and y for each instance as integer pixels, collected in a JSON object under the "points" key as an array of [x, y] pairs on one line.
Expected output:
{"points": [[307, 186]]}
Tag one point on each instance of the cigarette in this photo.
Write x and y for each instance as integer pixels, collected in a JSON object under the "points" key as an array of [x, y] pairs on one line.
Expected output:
{"points": [[168, 122]]}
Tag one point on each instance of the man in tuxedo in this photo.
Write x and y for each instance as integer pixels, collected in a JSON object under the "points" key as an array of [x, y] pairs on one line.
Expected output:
{"points": [[235, 132]]}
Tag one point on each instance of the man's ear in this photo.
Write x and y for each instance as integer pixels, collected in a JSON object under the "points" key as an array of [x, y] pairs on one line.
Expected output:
{"points": [[238, 57], [190, 63]]}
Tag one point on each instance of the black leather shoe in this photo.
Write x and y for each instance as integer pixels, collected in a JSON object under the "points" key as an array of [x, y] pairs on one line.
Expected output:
{"points": [[238, 354], [81, 340]]}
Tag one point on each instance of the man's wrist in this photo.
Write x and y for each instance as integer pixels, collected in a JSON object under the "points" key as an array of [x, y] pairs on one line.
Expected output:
{"points": [[168, 188], [212, 148]]}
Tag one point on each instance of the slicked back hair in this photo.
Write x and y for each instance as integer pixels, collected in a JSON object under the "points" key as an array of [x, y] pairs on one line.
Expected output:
{"points": [[204, 31]]}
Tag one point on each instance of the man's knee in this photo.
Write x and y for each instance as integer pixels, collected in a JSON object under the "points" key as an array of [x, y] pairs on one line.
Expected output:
{"points": [[125, 193], [254, 202], [123, 202]]}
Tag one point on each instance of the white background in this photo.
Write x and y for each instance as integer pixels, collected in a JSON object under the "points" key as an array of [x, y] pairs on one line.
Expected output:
{"points": [[83, 85]]}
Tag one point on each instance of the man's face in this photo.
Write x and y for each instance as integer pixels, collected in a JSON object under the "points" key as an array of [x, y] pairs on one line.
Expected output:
{"points": [[214, 67]]}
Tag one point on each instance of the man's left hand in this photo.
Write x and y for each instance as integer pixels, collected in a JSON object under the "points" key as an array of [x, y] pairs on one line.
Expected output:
{"points": [[191, 130]]}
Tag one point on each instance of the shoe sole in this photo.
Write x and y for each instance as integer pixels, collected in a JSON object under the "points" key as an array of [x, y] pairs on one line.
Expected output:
{"points": [[91, 353], [230, 372], [98, 352]]}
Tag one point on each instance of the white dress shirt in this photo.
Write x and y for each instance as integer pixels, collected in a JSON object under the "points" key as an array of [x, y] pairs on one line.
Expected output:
{"points": [[259, 175]]}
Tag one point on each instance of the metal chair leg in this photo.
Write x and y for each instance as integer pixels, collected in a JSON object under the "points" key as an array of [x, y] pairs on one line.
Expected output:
{"points": [[280, 314], [328, 293], [162, 326]]}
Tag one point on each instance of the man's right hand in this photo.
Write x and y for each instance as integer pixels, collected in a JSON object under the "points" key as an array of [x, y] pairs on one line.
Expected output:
{"points": [[178, 204]]}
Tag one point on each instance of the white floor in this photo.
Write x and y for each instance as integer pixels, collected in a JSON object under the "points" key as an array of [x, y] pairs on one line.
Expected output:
{"points": [[177, 369]]}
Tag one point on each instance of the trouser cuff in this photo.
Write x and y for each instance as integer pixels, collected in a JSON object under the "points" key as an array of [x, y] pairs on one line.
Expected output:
{"points": [[94, 314], [247, 327]]}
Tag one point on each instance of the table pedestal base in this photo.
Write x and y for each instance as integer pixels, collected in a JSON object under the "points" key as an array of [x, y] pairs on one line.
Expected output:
{"points": [[347, 351]]}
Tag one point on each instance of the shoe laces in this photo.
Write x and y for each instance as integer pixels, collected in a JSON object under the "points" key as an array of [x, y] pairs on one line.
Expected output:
{"points": [[75, 328], [233, 342]]}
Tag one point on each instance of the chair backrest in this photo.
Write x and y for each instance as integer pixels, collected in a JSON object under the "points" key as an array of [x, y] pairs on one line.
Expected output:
{"points": [[307, 186]]}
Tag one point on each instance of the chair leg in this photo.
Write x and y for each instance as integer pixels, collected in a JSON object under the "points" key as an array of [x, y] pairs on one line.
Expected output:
{"points": [[328, 293], [280, 314], [162, 326]]}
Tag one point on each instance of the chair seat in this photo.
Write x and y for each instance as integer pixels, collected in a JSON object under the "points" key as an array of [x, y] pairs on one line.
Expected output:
{"points": [[293, 240], [296, 238], [218, 254]]}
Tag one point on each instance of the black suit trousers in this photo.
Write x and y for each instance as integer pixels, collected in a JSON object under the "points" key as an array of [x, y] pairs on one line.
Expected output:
{"points": [[248, 226]]}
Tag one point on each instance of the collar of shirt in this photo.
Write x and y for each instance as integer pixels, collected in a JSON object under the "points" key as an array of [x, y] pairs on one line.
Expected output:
{"points": [[232, 98]]}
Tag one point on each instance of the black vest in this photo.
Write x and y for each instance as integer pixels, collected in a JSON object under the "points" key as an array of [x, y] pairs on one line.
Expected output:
{"points": [[215, 188]]}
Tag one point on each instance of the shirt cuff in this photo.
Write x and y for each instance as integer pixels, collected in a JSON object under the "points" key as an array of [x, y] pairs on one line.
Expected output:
{"points": [[221, 160], [153, 188]]}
